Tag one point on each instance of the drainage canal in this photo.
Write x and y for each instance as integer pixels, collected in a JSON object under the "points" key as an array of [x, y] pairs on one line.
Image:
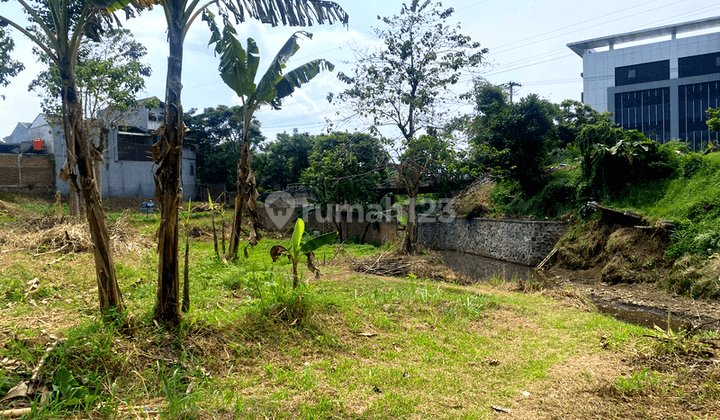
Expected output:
{"points": [[483, 269]]}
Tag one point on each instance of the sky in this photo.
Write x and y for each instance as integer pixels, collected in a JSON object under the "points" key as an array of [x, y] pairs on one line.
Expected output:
{"points": [[526, 40]]}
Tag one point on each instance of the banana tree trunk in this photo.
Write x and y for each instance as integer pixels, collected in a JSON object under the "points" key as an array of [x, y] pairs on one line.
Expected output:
{"points": [[246, 200], [79, 171], [237, 214], [74, 200], [98, 177], [167, 155]]}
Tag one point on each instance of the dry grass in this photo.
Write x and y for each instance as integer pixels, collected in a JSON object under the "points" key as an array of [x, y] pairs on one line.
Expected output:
{"points": [[8, 209], [62, 235], [475, 200]]}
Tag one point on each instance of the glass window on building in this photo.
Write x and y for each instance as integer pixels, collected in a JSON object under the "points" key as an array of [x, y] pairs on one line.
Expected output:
{"points": [[647, 111], [693, 101]]}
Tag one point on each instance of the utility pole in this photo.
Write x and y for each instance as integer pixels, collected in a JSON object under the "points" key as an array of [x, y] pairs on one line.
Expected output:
{"points": [[511, 85]]}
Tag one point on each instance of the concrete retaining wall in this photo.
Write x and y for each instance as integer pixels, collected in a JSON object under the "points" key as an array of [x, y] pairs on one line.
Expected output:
{"points": [[516, 241]]}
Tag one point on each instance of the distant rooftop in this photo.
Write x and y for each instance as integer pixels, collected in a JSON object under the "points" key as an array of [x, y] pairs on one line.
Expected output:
{"points": [[674, 29]]}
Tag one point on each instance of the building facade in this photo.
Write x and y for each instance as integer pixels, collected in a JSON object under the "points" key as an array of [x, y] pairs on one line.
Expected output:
{"points": [[27, 134], [127, 166], [655, 81], [32, 156]]}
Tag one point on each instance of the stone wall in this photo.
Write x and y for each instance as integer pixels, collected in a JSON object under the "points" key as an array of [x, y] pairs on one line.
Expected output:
{"points": [[26, 171], [516, 241]]}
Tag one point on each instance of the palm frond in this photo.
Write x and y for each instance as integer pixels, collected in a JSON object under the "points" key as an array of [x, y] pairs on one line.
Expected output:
{"points": [[299, 76], [291, 13], [274, 73]]}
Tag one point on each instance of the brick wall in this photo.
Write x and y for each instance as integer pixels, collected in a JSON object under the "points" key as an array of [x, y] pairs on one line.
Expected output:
{"points": [[26, 171]]}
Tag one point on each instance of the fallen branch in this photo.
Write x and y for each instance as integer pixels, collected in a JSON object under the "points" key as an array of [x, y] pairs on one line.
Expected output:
{"points": [[17, 412]]}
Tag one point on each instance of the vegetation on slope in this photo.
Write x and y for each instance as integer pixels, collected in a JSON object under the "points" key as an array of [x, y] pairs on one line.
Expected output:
{"points": [[676, 185]]}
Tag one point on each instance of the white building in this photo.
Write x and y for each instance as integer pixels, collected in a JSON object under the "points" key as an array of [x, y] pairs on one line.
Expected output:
{"points": [[127, 167], [655, 81], [26, 134]]}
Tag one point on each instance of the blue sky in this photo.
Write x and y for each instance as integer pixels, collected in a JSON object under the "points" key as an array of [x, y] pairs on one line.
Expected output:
{"points": [[527, 42]]}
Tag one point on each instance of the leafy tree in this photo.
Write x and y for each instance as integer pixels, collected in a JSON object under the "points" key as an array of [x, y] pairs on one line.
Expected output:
{"points": [[613, 157], [489, 99], [216, 133], [8, 67], [238, 69], [62, 24], [603, 133], [346, 168], [713, 121], [282, 161], [179, 15], [406, 84], [108, 75], [513, 138], [423, 158], [572, 118]]}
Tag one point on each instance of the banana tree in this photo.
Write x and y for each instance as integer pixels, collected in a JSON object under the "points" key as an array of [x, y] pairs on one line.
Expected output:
{"points": [[238, 69], [62, 24], [298, 248], [167, 152]]}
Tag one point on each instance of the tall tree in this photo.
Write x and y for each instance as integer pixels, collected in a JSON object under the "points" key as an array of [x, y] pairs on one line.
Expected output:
{"points": [[407, 84], [238, 69], [216, 133], [8, 67], [513, 138], [62, 24], [109, 75], [572, 117], [425, 158], [346, 168], [282, 161], [179, 15]]}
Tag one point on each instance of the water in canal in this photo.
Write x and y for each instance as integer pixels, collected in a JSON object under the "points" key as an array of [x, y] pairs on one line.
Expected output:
{"points": [[483, 269]]}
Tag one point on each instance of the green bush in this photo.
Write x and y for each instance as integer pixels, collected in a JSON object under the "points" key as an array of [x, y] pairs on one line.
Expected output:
{"points": [[277, 300], [556, 198]]}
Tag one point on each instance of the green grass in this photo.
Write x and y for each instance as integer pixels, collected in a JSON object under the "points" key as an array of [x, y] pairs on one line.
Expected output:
{"points": [[692, 203], [429, 344], [341, 346]]}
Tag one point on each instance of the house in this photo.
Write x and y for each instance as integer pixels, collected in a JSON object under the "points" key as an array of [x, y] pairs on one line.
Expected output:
{"points": [[26, 134], [655, 80], [127, 167]]}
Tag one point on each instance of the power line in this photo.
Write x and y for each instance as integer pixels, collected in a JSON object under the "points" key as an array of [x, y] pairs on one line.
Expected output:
{"points": [[570, 26]]}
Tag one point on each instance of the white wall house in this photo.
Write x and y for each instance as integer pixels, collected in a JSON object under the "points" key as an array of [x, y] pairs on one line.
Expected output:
{"points": [[127, 167], [26, 133], [658, 81]]}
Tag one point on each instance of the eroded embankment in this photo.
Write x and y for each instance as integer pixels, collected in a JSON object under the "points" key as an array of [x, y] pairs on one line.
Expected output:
{"points": [[625, 264]]}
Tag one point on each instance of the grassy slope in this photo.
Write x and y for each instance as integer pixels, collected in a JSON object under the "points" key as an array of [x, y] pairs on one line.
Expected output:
{"points": [[693, 203]]}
